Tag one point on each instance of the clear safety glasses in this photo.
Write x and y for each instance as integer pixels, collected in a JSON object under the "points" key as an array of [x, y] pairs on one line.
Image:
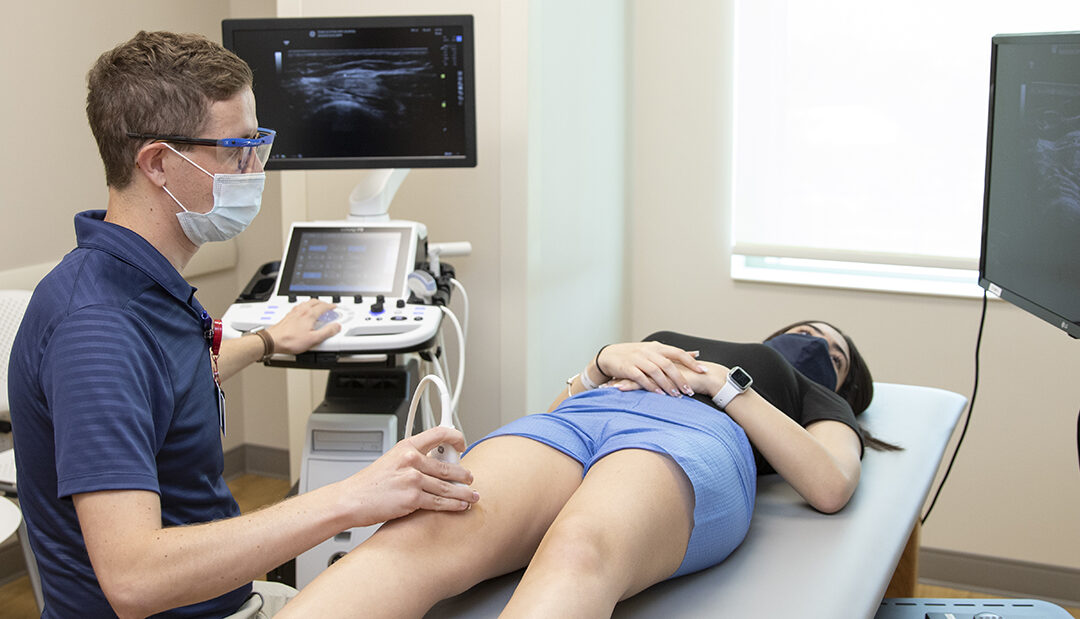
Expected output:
{"points": [[237, 153]]}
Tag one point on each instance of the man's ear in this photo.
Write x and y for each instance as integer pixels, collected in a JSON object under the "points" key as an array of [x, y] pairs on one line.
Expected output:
{"points": [[150, 162]]}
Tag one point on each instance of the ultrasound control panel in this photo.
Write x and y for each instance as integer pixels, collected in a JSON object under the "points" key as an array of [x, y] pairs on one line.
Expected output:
{"points": [[363, 269]]}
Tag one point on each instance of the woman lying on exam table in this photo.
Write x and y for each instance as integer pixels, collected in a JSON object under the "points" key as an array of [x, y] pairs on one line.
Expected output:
{"points": [[620, 487]]}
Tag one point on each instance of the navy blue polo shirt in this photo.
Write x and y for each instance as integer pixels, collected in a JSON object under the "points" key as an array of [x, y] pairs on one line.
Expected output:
{"points": [[111, 389]]}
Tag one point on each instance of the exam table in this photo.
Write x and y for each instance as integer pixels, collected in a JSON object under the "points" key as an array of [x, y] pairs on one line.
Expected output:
{"points": [[796, 562]]}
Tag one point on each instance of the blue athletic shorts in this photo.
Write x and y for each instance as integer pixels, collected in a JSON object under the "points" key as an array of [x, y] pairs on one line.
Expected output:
{"points": [[712, 450]]}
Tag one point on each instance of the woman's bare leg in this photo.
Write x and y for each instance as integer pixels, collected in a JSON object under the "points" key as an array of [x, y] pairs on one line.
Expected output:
{"points": [[413, 562], [625, 528]]}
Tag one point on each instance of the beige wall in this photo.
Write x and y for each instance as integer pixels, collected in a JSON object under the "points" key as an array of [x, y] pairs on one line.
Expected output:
{"points": [[1015, 490], [49, 166]]}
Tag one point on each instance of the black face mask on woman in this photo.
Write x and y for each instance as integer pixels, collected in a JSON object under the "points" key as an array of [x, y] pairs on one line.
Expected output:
{"points": [[809, 355]]}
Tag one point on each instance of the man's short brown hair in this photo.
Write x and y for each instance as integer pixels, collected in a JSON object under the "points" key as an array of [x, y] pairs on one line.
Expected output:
{"points": [[159, 83]]}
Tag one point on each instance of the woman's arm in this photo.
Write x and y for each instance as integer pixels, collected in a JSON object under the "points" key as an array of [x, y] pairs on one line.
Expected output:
{"points": [[649, 365], [820, 461]]}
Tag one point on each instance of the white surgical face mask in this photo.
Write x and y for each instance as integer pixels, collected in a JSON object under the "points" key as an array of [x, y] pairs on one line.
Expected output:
{"points": [[237, 198]]}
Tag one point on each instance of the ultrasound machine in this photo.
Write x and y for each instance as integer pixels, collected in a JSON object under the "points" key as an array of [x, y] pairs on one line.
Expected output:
{"points": [[383, 94]]}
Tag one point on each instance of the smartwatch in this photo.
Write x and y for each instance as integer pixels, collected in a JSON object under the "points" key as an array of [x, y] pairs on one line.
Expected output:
{"points": [[738, 381]]}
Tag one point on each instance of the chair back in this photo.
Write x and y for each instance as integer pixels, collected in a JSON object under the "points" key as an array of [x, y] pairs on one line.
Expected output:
{"points": [[12, 306]]}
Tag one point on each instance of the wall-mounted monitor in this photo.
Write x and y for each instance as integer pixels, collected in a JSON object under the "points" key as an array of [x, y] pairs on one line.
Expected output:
{"points": [[1031, 206]]}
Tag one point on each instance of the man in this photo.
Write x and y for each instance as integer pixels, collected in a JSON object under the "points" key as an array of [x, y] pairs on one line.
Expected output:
{"points": [[115, 372]]}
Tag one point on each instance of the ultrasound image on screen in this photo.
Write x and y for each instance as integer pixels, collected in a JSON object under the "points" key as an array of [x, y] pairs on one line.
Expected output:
{"points": [[373, 100], [1052, 110]]}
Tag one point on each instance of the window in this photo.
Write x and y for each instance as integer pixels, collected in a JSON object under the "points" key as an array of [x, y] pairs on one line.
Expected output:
{"points": [[860, 137]]}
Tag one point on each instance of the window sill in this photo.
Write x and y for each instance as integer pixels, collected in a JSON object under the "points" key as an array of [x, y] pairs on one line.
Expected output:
{"points": [[932, 281]]}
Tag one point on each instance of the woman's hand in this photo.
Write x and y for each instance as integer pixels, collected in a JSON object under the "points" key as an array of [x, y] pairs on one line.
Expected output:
{"points": [[707, 378], [709, 382], [649, 365]]}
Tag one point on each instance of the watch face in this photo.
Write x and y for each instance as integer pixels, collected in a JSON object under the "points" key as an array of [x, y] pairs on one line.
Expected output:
{"points": [[741, 379]]}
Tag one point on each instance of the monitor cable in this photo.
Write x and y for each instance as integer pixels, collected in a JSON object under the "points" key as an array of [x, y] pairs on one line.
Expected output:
{"points": [[967, 418]]}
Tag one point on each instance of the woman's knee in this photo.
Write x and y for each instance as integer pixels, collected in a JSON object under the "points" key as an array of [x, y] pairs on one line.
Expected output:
{"points": [[578, 545]]}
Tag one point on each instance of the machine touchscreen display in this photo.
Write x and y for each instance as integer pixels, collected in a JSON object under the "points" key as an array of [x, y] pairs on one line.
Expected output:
{"points": [[346, 262]]}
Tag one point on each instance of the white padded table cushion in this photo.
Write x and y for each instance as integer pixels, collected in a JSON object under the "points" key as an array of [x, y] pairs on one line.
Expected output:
{"points": [[795, 561], [12, 306]]}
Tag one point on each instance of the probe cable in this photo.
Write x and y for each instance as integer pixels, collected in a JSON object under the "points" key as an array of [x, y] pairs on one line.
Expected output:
{"points": [[967, 418], [461, 363], [444, 398], [465, 304], [440, 363]]}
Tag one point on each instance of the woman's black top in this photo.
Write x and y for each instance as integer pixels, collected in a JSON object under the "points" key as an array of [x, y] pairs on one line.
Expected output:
{"points": [[775, 379]]}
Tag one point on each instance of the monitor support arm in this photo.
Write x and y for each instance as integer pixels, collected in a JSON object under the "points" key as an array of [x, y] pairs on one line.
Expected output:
{"points": [[370, 199]]}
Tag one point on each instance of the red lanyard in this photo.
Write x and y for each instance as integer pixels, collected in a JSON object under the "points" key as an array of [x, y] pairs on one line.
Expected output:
{"points": [[213, 337], [212, 333]]}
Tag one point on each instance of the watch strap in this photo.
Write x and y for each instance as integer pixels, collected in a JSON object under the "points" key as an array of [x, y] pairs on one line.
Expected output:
{"points": [[726, 394], [267, 341], [733, 387]]}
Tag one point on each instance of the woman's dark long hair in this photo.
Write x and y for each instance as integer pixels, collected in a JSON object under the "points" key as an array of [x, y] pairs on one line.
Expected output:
{"points": [[857, 388]]}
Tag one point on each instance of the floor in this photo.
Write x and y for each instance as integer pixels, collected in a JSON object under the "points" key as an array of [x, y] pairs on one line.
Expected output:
{"points": [[253, 492]]}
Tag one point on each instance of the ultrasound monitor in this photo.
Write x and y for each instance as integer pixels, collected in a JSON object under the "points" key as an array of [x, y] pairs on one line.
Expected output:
{"points": [[362, 92], [1031, 208]]}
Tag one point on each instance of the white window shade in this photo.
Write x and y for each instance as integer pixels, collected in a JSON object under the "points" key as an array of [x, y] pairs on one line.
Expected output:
{"points": [[860, 128]]}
